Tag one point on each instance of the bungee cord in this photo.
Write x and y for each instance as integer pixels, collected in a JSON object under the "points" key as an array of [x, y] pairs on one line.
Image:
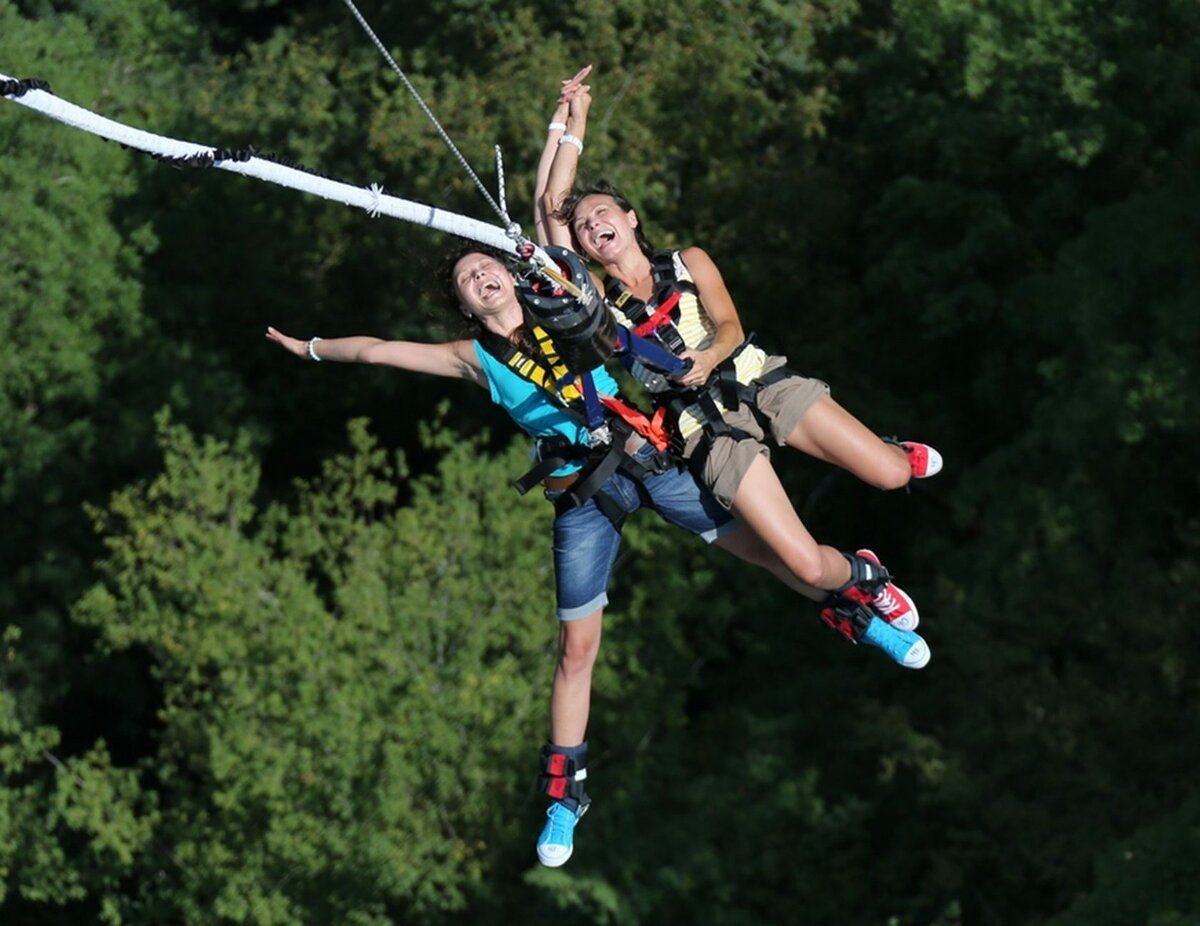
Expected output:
{"points": [[500, 189], [36, 95]]}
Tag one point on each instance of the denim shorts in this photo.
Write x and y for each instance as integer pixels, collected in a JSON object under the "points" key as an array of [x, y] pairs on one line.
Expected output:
{"points": [[586, 542]]}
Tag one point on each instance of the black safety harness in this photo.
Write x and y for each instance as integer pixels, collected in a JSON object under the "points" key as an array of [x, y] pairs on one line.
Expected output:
{"points": [[605, 452], [658, 319]]}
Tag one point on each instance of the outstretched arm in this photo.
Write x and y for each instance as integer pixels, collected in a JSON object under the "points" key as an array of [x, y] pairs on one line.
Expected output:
{"points": [[564, 165], [554, 134], [455, 359], [718, 305]]}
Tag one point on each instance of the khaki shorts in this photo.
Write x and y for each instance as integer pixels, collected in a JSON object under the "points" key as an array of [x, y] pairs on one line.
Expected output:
{"points": [[782, 403]]}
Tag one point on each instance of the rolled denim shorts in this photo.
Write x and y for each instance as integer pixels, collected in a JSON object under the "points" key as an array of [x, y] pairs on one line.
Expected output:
{"points": [[586, 542]]}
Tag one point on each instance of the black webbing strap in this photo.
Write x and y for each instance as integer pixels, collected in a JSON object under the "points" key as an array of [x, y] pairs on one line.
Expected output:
{"points": [[662, 275], [849, 618], [562, 776], [543, 468], [603, 463], [725, 383], [749, 394], [591, 480], [21, 86]]}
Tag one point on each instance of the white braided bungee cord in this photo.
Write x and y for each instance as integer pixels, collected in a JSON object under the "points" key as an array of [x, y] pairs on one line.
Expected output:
{"points": [[371, 199]]}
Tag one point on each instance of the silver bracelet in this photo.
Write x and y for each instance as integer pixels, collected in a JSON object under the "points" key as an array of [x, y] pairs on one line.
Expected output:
{"points": [[312, 353], [571, 140], [561, 126]]}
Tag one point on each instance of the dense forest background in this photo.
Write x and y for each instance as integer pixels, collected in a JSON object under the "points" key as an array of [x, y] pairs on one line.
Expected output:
{"points": [[280, 636]]}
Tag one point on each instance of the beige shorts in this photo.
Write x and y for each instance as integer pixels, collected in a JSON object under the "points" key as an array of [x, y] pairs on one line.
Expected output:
{"points": [[782, 403]]}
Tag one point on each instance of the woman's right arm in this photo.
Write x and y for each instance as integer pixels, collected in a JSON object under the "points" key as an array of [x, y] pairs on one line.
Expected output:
{"points": [[564, 166], [554, 132], [455, 359]]}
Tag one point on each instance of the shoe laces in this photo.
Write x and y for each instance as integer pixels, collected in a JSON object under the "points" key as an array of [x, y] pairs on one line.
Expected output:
{"points": [[562, 824], [886, 602]]}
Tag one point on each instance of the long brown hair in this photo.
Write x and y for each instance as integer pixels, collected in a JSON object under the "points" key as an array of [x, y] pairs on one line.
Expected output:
{"points": [[470, 326], [566, 212]]}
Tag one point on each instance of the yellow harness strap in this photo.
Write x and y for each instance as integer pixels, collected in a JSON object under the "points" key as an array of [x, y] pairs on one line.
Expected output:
{"points": [[555, 378]]}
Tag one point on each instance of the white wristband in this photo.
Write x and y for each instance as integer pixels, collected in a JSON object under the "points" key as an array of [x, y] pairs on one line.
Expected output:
{"points": [[561, 126], [312, 353], [571, 140]]}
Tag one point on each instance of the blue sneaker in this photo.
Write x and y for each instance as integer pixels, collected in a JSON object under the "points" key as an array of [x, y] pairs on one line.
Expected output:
{"points": [[905, 647], [557, 841]]}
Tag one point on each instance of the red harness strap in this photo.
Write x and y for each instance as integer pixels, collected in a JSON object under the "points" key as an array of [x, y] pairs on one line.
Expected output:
{"points": [[661, 316], [650, 428]]}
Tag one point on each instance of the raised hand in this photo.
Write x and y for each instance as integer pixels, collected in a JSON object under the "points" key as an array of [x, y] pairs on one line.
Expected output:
{"points": [[571, 85]]}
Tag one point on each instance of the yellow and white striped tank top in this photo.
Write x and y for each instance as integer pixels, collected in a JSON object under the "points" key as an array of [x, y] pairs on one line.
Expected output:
{"points": [[697, 331]]}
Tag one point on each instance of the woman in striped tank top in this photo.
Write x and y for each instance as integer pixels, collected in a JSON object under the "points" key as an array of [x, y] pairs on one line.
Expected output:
{"points": [[734, 396]]}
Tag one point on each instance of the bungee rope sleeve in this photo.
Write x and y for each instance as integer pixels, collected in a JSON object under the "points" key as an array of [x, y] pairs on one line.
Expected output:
{"points": [[35, 94]]}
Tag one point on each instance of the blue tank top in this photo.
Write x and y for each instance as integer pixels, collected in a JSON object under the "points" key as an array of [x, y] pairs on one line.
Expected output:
{"points": [[532, 409]]}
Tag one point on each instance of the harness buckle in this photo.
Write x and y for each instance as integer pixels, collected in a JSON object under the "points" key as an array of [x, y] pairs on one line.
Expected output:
{"points": [[599, 437]]}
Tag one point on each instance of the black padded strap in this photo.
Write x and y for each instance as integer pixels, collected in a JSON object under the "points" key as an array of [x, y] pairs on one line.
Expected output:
{"points": [[849, 618], [19, 87], [591, 480], [562, 773], [540, 471]]}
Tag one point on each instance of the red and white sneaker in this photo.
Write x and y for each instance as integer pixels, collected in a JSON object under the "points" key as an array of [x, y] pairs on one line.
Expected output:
{"points": [[871, 584], [924, 460]]}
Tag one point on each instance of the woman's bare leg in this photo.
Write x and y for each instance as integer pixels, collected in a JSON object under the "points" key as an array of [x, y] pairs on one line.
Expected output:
{"points": [[571, 693], [749, 547], [763, 505], [830, 433]]}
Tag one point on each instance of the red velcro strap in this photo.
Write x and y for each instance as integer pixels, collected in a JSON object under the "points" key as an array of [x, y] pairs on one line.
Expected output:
{"points": [[557, 787], [556, 764], [661, 316]]}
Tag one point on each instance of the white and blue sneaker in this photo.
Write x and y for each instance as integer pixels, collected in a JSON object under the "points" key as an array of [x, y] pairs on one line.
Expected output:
{"points": [[557, 841], [905, 647]]}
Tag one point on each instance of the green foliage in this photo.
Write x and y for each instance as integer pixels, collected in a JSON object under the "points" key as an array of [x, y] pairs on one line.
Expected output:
{"points": [[68, 829], [1038, 65], [332, 684], [70, 306], [57, 307], [1147, 878]]}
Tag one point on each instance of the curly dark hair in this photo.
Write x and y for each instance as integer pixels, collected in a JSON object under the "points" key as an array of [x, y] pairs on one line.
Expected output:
{"points": [[455, 252], [471, 327], [566, 212]]}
